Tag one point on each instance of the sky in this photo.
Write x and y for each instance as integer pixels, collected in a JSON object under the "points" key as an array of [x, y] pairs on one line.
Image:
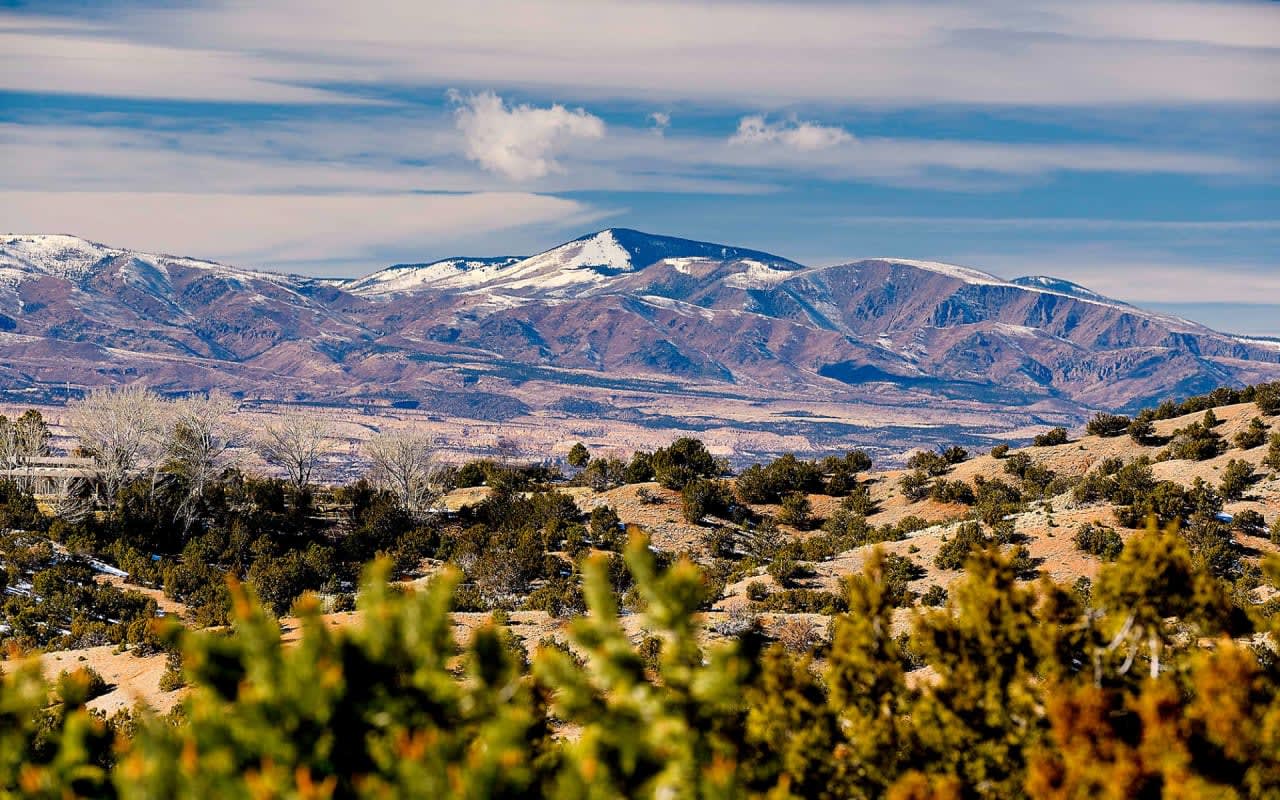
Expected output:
{"points": [[1130, 146]]}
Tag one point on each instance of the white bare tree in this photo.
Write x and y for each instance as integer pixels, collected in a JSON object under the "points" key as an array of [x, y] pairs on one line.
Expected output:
{"points": [[122, 429], [404, 463], [294, 443], [72, 499], [21, 439], [201, 435]]}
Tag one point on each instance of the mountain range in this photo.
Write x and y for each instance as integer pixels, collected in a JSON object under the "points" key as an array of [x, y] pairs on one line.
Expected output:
{"points": [[619, 325]]}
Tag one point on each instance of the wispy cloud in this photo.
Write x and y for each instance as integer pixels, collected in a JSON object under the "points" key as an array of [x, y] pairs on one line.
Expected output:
{"points": [[1138, 277], [61, 57], [1065, 223], [548, 149], [755, 129], [996, 53], [288, 231]]}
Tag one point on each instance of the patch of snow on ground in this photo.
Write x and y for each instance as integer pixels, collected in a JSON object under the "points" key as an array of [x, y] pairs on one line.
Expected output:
{"points": [[759, 276], [951, 271], [1270, 344], [682, 308], [447, 273], [1018, 330], [683, 264], [62, 256]]}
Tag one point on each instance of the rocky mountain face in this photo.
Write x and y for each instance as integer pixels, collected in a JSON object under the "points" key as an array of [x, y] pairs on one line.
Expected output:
{"points": [[608, 324]]}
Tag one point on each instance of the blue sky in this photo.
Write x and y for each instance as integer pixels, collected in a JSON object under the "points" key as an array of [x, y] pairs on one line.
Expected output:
{"points": [[1130, 146]]}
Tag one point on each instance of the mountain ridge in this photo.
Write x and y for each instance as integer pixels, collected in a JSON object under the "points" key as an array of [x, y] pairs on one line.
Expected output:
{"points": [[662, 321]]}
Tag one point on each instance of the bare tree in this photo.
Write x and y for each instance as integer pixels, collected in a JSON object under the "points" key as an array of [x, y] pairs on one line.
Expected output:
{"points": [[22, 439], [72, 499], [201, 436], [121, 429], [295, 443], [404, 464]]}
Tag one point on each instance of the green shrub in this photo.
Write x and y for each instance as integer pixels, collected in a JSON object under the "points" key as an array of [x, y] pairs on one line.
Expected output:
{"points": [[930, 462], [962, 543], [1237, 477], [81, 685], [1051, 437], [1098, 540], [898, 572], [605, 528], [915, 485], [1249, 521], [700, 498], [1267, 398], [1141, 429], [1273, 453], [786, 571], [783, 476], [1196, 442], [934, 596], [803, 601], [1253, 436], [796, 511], [685, 460], [1035, 691], [945, 491], [1103, 424], [579, 456]]}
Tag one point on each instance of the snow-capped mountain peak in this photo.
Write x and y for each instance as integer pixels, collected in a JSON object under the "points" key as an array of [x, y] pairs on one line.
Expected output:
{"points": [[597, 259], [589, 262]]}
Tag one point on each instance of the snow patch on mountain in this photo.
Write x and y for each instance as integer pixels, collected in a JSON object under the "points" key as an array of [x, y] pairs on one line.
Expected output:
{"points": [[685, 265], [966, 274], [758, 276], [74, 259], [1270, 344], [445, 273], [61, 256], [1054, 285]]}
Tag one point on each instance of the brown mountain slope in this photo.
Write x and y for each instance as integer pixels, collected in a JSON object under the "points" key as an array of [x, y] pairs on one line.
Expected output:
{"points": [[625, 327]]}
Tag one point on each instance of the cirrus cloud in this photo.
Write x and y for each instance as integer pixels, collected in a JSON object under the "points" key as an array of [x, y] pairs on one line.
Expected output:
{"points": [[346, 233]]}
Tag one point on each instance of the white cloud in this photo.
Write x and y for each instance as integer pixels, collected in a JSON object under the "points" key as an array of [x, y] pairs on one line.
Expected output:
{"points": [[60, 57], [1065, 224], [1037, 53], [754, 129], [1139, 277], [287, 230], [426, 153], [660, 121], [520, 142]]}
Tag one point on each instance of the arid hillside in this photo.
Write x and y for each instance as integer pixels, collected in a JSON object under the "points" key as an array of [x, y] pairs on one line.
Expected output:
{"points": [[791, 585]]}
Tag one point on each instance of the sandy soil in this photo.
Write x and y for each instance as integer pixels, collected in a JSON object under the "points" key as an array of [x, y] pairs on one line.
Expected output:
{"points": [[134, 680]]}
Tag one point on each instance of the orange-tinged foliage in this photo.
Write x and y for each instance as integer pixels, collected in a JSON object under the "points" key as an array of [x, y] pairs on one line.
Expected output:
{"points": [[1031, 693]]}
